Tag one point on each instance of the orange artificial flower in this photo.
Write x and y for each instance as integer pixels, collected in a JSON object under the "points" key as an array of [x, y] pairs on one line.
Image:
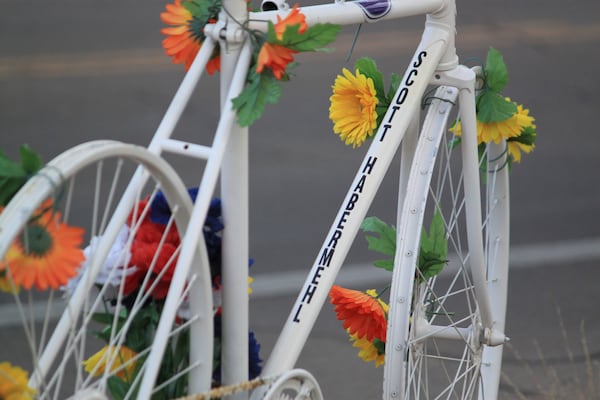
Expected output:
{"points": [[363, 314], [182, 42], [295, 17], [275, 57], [47, 254]]}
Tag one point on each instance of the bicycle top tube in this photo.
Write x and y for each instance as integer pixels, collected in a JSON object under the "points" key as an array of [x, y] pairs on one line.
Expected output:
{"points": [[353, 12]]}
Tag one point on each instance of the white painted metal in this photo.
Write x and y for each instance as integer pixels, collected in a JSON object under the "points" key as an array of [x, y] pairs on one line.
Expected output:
{"points": [[353, 210], [228, 157], [497, 261], [407, 247], [182, 97], [45, 182], [193, 234], [348, 13], [234, 205]]}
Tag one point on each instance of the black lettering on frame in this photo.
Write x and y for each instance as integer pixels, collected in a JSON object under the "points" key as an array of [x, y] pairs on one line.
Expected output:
{"points": [[409, 81], [353, 199], [394, 109], [327, 254], [385, 129], [358, 189], [296, 316], [343, 219], [310, 290], [317, 275], [402, 96], [420, 58], [369, 165]]}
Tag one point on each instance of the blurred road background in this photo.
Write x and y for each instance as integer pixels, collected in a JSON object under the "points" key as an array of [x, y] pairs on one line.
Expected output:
{"points": [[73, 71]]}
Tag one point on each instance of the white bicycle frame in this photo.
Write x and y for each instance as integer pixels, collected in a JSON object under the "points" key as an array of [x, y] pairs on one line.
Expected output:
{"points": [[434, 63]]}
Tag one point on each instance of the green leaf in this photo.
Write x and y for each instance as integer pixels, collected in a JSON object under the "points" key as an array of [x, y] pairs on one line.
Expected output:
{"points": [[117, 388], [31, 161], [433, 252], [395, 81], [313, 38], [385, 243], [260, 90], [496, 72], [388, 264], [9, 168], [9, 187], [492, 107], [527, 136], [367, 67]]}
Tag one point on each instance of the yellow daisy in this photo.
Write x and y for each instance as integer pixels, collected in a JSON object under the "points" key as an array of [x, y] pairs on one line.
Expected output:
{"points": [[13, 383], [367, 350], [122, 364], [353, 107], [496, 131], [515, 148]]}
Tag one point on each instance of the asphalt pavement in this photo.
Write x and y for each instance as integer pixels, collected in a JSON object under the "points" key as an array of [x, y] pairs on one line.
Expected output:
{"points": [[73, 71]]}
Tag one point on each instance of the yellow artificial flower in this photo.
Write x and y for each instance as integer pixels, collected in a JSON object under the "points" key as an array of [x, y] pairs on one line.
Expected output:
{"points": [[496, 131], [353, 107], [515, 148], [122, 364], [368, 352], [13, 383], [6, 285]]}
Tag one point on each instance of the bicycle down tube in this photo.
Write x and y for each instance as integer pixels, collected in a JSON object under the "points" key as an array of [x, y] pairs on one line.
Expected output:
{"points": [[357, 201]]}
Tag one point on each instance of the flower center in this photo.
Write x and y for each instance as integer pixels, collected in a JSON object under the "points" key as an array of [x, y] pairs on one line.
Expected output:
{"points": [[36, 240]]}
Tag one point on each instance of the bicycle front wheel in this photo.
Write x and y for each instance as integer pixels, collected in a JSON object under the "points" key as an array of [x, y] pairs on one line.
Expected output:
{"points": [[439, 323], [88, 255]]}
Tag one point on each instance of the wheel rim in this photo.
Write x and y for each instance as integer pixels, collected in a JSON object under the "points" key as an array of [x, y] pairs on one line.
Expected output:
{"points": [[112, 323]]}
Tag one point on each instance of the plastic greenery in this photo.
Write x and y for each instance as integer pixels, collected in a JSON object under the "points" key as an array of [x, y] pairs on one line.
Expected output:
{"points": [[13, 175], [273, 51]]}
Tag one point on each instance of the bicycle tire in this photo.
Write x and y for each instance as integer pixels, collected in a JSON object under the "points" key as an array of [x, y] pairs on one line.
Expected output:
{"points": [[445, 353], [122, 320]]}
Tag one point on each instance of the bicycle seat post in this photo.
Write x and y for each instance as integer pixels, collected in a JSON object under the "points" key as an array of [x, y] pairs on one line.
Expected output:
{"points": [[234, 200]]}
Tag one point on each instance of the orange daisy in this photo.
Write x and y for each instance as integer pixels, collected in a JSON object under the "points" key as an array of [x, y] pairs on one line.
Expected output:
{"points": [[363, 314], [183, 42], [47, 254], [295, 17], [276, 57]]}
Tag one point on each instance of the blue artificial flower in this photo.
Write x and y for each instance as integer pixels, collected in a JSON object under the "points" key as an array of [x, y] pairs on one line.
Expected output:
{"points": [[254, 360]]}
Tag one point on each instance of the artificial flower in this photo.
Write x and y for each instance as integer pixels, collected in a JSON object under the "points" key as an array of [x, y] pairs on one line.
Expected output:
{"points": [[115, 265], [185, 34], [364, 314], [47, 254], [353, 107], [368, 351], [13, 383], [121, 364], [6, 285], [515, 148], [275, 57], [497, 131], [295, 17]]}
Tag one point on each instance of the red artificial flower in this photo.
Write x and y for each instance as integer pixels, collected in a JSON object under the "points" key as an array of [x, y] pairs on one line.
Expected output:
{"points": [[146, 244], [363, 314]]}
